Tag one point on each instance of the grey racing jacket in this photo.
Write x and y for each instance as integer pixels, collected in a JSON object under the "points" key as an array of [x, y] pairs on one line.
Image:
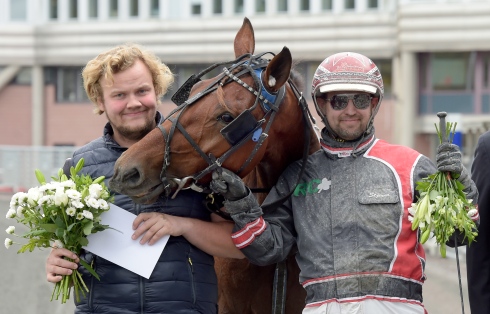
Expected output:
{"points": [[348, 218]]}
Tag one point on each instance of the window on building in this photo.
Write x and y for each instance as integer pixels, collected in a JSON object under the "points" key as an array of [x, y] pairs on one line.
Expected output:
{"points": [[113, 9], [447, 83], [372, 4], [486, 71], [73, 9], [385, 67], [155, 8], [260, 6], [304, 5], [239, 6], [326, 5], [18, 10], [218, 6], [349, 4], [133, 8], [196, 9], [93, 9], [450, 71], [53, 9], [23, 77], [69, 85], [282, 5]]}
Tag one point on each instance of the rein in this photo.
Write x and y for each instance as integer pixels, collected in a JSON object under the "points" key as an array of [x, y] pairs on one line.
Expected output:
{"points": [[270, 105], [242, 129], [233, 132]]}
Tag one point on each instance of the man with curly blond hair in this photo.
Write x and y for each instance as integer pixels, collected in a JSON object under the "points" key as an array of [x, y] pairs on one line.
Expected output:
{"points": [[126, 83]]}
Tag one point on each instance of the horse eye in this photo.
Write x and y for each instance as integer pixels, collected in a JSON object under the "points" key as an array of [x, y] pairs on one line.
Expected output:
{"points": [[226, 118]]}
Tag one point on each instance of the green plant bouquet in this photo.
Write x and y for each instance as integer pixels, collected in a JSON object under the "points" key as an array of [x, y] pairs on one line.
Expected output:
{"points": [[442, 207], [62, 212]]}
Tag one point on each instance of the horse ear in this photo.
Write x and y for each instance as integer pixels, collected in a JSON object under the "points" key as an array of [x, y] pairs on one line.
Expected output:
{"points": [[245, 39], [277, 72]]}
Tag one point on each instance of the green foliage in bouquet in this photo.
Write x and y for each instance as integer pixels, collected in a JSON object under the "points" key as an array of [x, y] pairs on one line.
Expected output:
{"points": [[61, 213], [442, 207]]}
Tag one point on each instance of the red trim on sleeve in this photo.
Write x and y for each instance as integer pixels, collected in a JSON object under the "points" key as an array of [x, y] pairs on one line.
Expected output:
{"points": [[247, 235]]}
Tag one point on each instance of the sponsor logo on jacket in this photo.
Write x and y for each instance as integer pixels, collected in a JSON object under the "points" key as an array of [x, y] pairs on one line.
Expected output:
{"points": [[312, 187]]}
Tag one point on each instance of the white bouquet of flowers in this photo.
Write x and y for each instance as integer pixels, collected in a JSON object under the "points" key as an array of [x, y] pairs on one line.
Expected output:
{"points": [[442, 207], [61, 213]]}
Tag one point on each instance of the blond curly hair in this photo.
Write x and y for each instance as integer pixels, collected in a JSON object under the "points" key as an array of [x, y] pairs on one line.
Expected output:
{"points": [[119, 59]]}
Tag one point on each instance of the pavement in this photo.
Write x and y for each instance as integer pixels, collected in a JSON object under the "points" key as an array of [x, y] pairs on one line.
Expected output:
{"points": [[24, 289]]}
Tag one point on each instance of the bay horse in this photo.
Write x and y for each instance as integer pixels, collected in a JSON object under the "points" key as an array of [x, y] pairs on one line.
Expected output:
{"points": [[250, 119]]}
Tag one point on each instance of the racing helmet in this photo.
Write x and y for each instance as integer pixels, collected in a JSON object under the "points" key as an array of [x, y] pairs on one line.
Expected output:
{"points": [[347, 71]]}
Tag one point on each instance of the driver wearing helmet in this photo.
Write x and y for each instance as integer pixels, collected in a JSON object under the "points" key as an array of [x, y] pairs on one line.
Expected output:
{"points": [[348, 217]]}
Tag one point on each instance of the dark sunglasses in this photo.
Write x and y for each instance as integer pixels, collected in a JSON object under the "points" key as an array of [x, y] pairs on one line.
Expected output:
{"points": [[340, 101]]}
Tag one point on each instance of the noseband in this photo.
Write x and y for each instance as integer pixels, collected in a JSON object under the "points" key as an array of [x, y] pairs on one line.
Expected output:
{"points": [[238, 132]]}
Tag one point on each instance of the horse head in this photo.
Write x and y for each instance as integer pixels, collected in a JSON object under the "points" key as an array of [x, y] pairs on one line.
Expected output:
{"points": [[251, 119], [233, 120]]}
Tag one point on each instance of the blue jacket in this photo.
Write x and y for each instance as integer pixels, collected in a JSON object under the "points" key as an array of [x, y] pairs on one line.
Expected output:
{"points": [[183, 281]]}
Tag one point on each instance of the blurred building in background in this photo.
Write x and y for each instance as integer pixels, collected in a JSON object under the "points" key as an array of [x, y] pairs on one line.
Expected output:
{"points": [[434, 56]]}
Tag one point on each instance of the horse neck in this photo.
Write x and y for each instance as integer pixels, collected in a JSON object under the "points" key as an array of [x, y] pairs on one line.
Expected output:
{"points": [[279, 154]]}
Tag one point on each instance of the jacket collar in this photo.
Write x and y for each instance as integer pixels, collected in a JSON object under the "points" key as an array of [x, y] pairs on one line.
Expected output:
{"points": [[335, 149]]}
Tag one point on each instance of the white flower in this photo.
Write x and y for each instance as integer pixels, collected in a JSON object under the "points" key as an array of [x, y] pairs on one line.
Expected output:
{"points": [[412, 210], [79, 216], [410, 218], [88, 215], [73, 194], [11, 213], [8, 242], [58, 244], [10, 230], [92, 202], [77, 204], [18, 198], [20, 211], [438, 200], [103, 204], [472, 212], [33, 195], [48, 186], [60, 198], [95, 190], [68, 184], [45, 199], [70, 211]]}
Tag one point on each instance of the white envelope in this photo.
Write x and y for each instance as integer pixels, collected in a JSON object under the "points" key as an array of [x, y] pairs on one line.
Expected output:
{"points": [[118, 247]]}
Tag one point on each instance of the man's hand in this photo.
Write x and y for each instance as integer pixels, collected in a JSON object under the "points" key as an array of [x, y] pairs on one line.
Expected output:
{"points": [[57, 265], [228, 184], [448, 159], [154, 226]]}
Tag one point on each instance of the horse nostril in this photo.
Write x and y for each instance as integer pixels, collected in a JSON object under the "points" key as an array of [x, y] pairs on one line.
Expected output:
{"points": [[132, 177]]}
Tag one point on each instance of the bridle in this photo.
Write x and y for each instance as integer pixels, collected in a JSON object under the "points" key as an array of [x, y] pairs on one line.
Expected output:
{"points": [[238, 132], [243, 128]]}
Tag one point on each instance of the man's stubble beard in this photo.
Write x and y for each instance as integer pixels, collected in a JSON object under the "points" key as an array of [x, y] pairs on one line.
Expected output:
{"points": [[134, 134]]}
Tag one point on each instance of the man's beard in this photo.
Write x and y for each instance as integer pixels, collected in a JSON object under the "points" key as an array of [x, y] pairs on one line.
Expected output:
{"points": [[350, 135], [136, 133]]}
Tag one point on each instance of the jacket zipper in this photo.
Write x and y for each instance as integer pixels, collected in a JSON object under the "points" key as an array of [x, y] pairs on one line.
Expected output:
{"points": [[137, 209], [191, 268]]}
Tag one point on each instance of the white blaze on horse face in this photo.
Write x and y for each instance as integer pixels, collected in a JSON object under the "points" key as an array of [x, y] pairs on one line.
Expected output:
{"points": [[272, 81]]}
